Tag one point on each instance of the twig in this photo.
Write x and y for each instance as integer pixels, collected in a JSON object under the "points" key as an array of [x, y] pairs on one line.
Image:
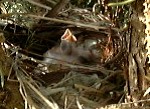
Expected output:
{"points": [[58, 7], [89, 89], [67, 22], [39, 4]]}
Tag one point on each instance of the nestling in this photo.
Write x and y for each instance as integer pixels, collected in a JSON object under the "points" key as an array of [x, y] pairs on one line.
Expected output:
{"points": [[70, 51]]}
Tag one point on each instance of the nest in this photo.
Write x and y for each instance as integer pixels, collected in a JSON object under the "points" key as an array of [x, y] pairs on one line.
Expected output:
{"points": [[69, 85]]}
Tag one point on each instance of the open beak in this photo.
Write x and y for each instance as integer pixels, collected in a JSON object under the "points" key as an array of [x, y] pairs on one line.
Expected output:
{"points": [[68, 36]]}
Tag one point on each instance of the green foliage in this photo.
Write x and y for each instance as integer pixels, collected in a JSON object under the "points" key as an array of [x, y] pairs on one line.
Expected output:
{"points": [[17, 7]]}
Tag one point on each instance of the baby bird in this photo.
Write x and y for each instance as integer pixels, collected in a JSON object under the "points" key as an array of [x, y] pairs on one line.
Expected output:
{"points": [[69, 51]]}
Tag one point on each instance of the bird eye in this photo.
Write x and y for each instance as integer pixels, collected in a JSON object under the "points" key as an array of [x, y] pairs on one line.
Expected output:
{"points": [[83, 59], [89, 43]]}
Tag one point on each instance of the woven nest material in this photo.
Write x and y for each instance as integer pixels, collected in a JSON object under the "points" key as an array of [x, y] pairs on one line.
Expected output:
{"points": [[70, 85]]}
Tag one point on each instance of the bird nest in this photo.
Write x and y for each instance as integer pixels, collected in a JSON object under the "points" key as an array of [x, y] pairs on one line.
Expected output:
{"points": [[85, 72]]}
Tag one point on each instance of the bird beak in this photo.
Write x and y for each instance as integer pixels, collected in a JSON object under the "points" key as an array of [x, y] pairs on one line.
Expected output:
{"points": [[68, 36]]}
